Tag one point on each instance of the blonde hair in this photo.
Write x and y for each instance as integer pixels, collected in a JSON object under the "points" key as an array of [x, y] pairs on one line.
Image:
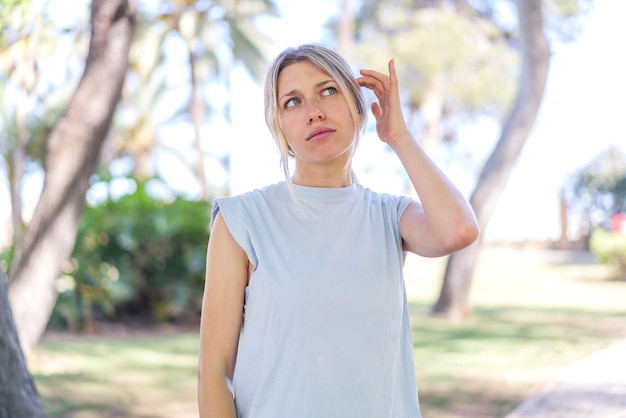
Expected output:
{"points": [[331, 63]]}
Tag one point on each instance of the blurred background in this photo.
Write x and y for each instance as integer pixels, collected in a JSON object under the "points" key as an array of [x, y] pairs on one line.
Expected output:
{"points": [[111, 157]]}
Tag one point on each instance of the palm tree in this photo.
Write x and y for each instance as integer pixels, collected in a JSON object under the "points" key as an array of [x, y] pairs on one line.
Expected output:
{"points": [[214, 35], [27, 39]]}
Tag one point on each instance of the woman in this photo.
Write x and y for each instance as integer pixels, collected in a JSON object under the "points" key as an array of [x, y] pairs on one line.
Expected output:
{"points": [[314, 263]]}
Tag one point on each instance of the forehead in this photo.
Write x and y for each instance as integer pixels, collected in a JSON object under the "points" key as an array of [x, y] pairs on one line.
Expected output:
{"points": [[300, 75]]}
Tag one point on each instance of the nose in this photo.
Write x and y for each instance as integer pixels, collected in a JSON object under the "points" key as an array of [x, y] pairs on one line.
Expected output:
{"points": [[315, 113]]}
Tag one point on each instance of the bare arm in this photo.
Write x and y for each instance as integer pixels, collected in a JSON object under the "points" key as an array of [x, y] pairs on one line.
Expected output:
{"points": [[222, 307], [443, 222]]}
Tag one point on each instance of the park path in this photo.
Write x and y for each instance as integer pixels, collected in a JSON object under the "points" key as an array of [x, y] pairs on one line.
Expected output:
{"points": [[594, 387]]}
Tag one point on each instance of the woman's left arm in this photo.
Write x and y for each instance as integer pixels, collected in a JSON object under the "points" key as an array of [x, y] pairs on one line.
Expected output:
{"points": [[443, 221]]}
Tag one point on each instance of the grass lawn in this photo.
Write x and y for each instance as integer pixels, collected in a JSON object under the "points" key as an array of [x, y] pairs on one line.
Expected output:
{"points": [[119, 376], [535, 313]]}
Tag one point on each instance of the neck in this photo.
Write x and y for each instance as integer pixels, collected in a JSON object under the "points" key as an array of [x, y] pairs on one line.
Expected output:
{"points": [[321, 177]]}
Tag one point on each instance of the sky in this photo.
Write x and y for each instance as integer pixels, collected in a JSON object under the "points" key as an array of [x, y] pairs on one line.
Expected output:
{"points": [[581, 116]]}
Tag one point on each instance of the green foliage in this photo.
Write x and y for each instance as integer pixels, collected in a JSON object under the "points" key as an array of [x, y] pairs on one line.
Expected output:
{"points": [[610, 248], [436, 49], [136, 257], [455, 60]]}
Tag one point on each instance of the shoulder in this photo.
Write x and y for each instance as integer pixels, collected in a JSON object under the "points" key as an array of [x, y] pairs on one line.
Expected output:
{"points": [[248, 202], [268, 192], [384, 199]]}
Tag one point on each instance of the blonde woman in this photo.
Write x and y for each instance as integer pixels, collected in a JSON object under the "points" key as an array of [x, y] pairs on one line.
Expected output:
{"points": [[311, 268]]}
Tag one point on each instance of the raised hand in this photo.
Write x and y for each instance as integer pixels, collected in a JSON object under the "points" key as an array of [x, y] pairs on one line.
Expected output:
{"points": [[390, 124]]}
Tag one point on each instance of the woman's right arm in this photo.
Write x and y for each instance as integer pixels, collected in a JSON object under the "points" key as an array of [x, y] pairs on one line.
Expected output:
{"points": [[220, 325]]}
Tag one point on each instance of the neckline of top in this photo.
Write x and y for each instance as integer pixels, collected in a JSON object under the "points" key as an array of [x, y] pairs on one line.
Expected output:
{"points": [[322, 193]]}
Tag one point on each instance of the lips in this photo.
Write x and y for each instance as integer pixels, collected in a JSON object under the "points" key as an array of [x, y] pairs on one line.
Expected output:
{"points": [[319, 133]]}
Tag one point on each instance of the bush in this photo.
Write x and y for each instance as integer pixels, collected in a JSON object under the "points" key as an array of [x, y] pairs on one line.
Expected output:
{"points": [[610, 248], [135, 257]]}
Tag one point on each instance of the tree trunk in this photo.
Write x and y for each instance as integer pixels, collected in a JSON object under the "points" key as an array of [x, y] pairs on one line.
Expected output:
{"points": [[15, 170], [454, 297], [563, 243], [18, 396], [73, 149], [431, 111], [198, 110], [345, 35], [17, 164]]}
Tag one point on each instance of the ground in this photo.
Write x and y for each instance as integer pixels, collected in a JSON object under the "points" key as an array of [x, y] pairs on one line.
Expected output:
{"points": [[536, 312]]}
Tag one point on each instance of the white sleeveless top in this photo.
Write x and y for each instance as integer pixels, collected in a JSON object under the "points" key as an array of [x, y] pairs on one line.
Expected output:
{"points": [[326, 329]]}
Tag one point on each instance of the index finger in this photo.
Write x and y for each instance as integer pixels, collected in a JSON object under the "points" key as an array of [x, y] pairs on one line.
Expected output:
{"points": [[393, 77], [375, 74]]}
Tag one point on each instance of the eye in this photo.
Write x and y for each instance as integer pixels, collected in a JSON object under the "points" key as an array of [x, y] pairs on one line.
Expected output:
{"points": [[291, 102], [329, 91]]}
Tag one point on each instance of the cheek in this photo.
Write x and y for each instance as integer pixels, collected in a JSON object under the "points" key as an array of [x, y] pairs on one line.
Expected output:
{"points": [[286, 126]]}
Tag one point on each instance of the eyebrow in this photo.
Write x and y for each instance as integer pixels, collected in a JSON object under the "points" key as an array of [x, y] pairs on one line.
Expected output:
{"points": [[295, 91]]}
